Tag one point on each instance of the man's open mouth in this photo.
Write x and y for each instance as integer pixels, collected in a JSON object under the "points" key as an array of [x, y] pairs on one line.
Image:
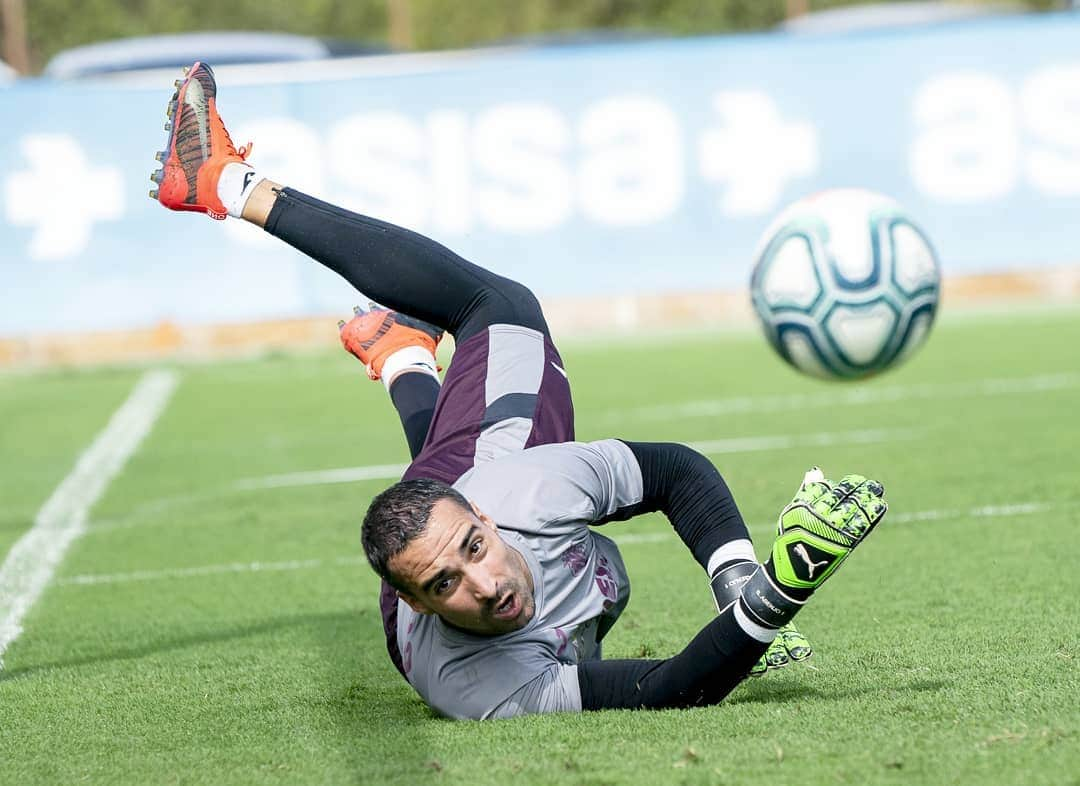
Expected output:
{"points": [[509, 608]]}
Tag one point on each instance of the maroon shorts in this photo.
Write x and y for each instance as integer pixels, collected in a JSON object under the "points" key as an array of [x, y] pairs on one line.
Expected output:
{"points": [[505, 390]]}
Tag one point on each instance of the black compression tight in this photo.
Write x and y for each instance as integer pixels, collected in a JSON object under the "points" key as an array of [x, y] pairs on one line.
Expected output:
{"points": [[414, 396], [401, 269]]}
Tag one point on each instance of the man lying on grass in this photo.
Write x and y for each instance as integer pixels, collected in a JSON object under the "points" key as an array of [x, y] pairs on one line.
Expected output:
{"points": [[497, 591]]}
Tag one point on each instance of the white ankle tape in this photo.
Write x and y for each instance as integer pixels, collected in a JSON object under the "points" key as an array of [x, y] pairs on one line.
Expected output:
{"points": [[408, 359], [235, 185]]}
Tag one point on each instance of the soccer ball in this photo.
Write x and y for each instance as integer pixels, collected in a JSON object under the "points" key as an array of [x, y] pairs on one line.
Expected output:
{"points": [[845, 284]]}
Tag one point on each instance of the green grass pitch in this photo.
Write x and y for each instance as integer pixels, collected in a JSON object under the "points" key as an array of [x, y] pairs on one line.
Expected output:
{"points": [[206, 632]]}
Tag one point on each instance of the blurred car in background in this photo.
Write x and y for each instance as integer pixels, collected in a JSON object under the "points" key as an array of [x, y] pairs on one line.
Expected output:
{"points": [[224, 48]]}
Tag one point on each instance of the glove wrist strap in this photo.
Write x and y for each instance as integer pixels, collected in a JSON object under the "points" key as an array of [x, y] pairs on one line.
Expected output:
{"points": [[765, 603], [728, 582]]}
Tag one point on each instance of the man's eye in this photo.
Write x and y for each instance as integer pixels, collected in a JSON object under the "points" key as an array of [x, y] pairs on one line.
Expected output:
{"points": [[477, 546], [442, 586]]}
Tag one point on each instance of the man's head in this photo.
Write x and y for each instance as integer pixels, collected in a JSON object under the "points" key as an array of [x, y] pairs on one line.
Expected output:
{"points": [[445, 557]]}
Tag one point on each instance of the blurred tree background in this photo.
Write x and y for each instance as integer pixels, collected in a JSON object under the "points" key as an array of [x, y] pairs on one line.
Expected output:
{"points": [[49, 26]]}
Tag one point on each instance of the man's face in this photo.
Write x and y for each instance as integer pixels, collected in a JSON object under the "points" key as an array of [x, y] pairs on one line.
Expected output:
{"points": [[460, 569]]}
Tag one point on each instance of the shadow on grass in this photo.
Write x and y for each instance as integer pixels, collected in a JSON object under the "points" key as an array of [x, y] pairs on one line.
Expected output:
{"points": [[764, 692], [172, 643]]}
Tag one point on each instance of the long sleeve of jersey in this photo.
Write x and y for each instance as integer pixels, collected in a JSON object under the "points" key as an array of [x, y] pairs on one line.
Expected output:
{"points": [[684, 485]]}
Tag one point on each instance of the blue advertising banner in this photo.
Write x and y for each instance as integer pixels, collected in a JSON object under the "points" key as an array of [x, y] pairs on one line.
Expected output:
{"points": [[639, 167]]}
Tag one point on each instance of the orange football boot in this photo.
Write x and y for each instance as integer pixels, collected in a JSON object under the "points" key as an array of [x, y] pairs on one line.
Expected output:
{"points": [[373, 336], [198, 148]]}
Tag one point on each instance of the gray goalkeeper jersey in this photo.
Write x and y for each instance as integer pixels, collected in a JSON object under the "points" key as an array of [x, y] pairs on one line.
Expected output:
{"points": [[543, 500]]}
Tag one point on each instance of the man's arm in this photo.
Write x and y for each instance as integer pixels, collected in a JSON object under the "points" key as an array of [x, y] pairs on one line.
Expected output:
{"points": [[684, 485]]}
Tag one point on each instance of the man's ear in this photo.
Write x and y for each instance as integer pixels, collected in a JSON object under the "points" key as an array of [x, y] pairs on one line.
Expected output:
{"points": [[416, 605]]}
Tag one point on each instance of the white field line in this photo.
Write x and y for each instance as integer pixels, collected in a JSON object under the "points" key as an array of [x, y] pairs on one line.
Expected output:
{"points": [[847, 397], [665, 535], [34, 557], [713, 447]]}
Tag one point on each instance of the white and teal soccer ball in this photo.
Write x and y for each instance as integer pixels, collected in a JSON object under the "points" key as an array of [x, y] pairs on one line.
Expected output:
{"points": [[846, 284]]}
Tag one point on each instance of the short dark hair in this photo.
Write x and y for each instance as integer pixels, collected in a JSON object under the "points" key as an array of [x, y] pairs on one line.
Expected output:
{"points": [[397, 516]]}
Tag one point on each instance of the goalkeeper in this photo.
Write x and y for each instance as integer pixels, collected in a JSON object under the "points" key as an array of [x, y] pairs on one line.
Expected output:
{"points": [[497, 592]]}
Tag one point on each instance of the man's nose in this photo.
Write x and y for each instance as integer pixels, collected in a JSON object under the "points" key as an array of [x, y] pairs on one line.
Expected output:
{"points": [[482, 583]]}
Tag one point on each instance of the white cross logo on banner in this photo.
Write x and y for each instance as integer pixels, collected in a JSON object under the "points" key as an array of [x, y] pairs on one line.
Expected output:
{"points": [[755, 152], [61, 195]]}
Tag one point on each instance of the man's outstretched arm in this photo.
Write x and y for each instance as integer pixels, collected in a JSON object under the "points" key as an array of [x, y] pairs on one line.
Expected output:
{"points": [[685, 486]]}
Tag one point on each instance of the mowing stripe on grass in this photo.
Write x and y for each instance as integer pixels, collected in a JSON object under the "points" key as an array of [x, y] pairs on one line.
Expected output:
{"points": [[30, 564], [90, 579], [713, 447], [860, 395]]}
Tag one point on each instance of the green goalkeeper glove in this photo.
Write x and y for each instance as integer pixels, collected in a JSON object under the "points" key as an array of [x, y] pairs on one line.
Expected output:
{"points": [[822, 526], [816, 532]]}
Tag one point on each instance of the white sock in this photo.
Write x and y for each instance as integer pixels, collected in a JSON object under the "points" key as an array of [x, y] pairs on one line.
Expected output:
{"points": [[235, 185], [413, 359]]}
